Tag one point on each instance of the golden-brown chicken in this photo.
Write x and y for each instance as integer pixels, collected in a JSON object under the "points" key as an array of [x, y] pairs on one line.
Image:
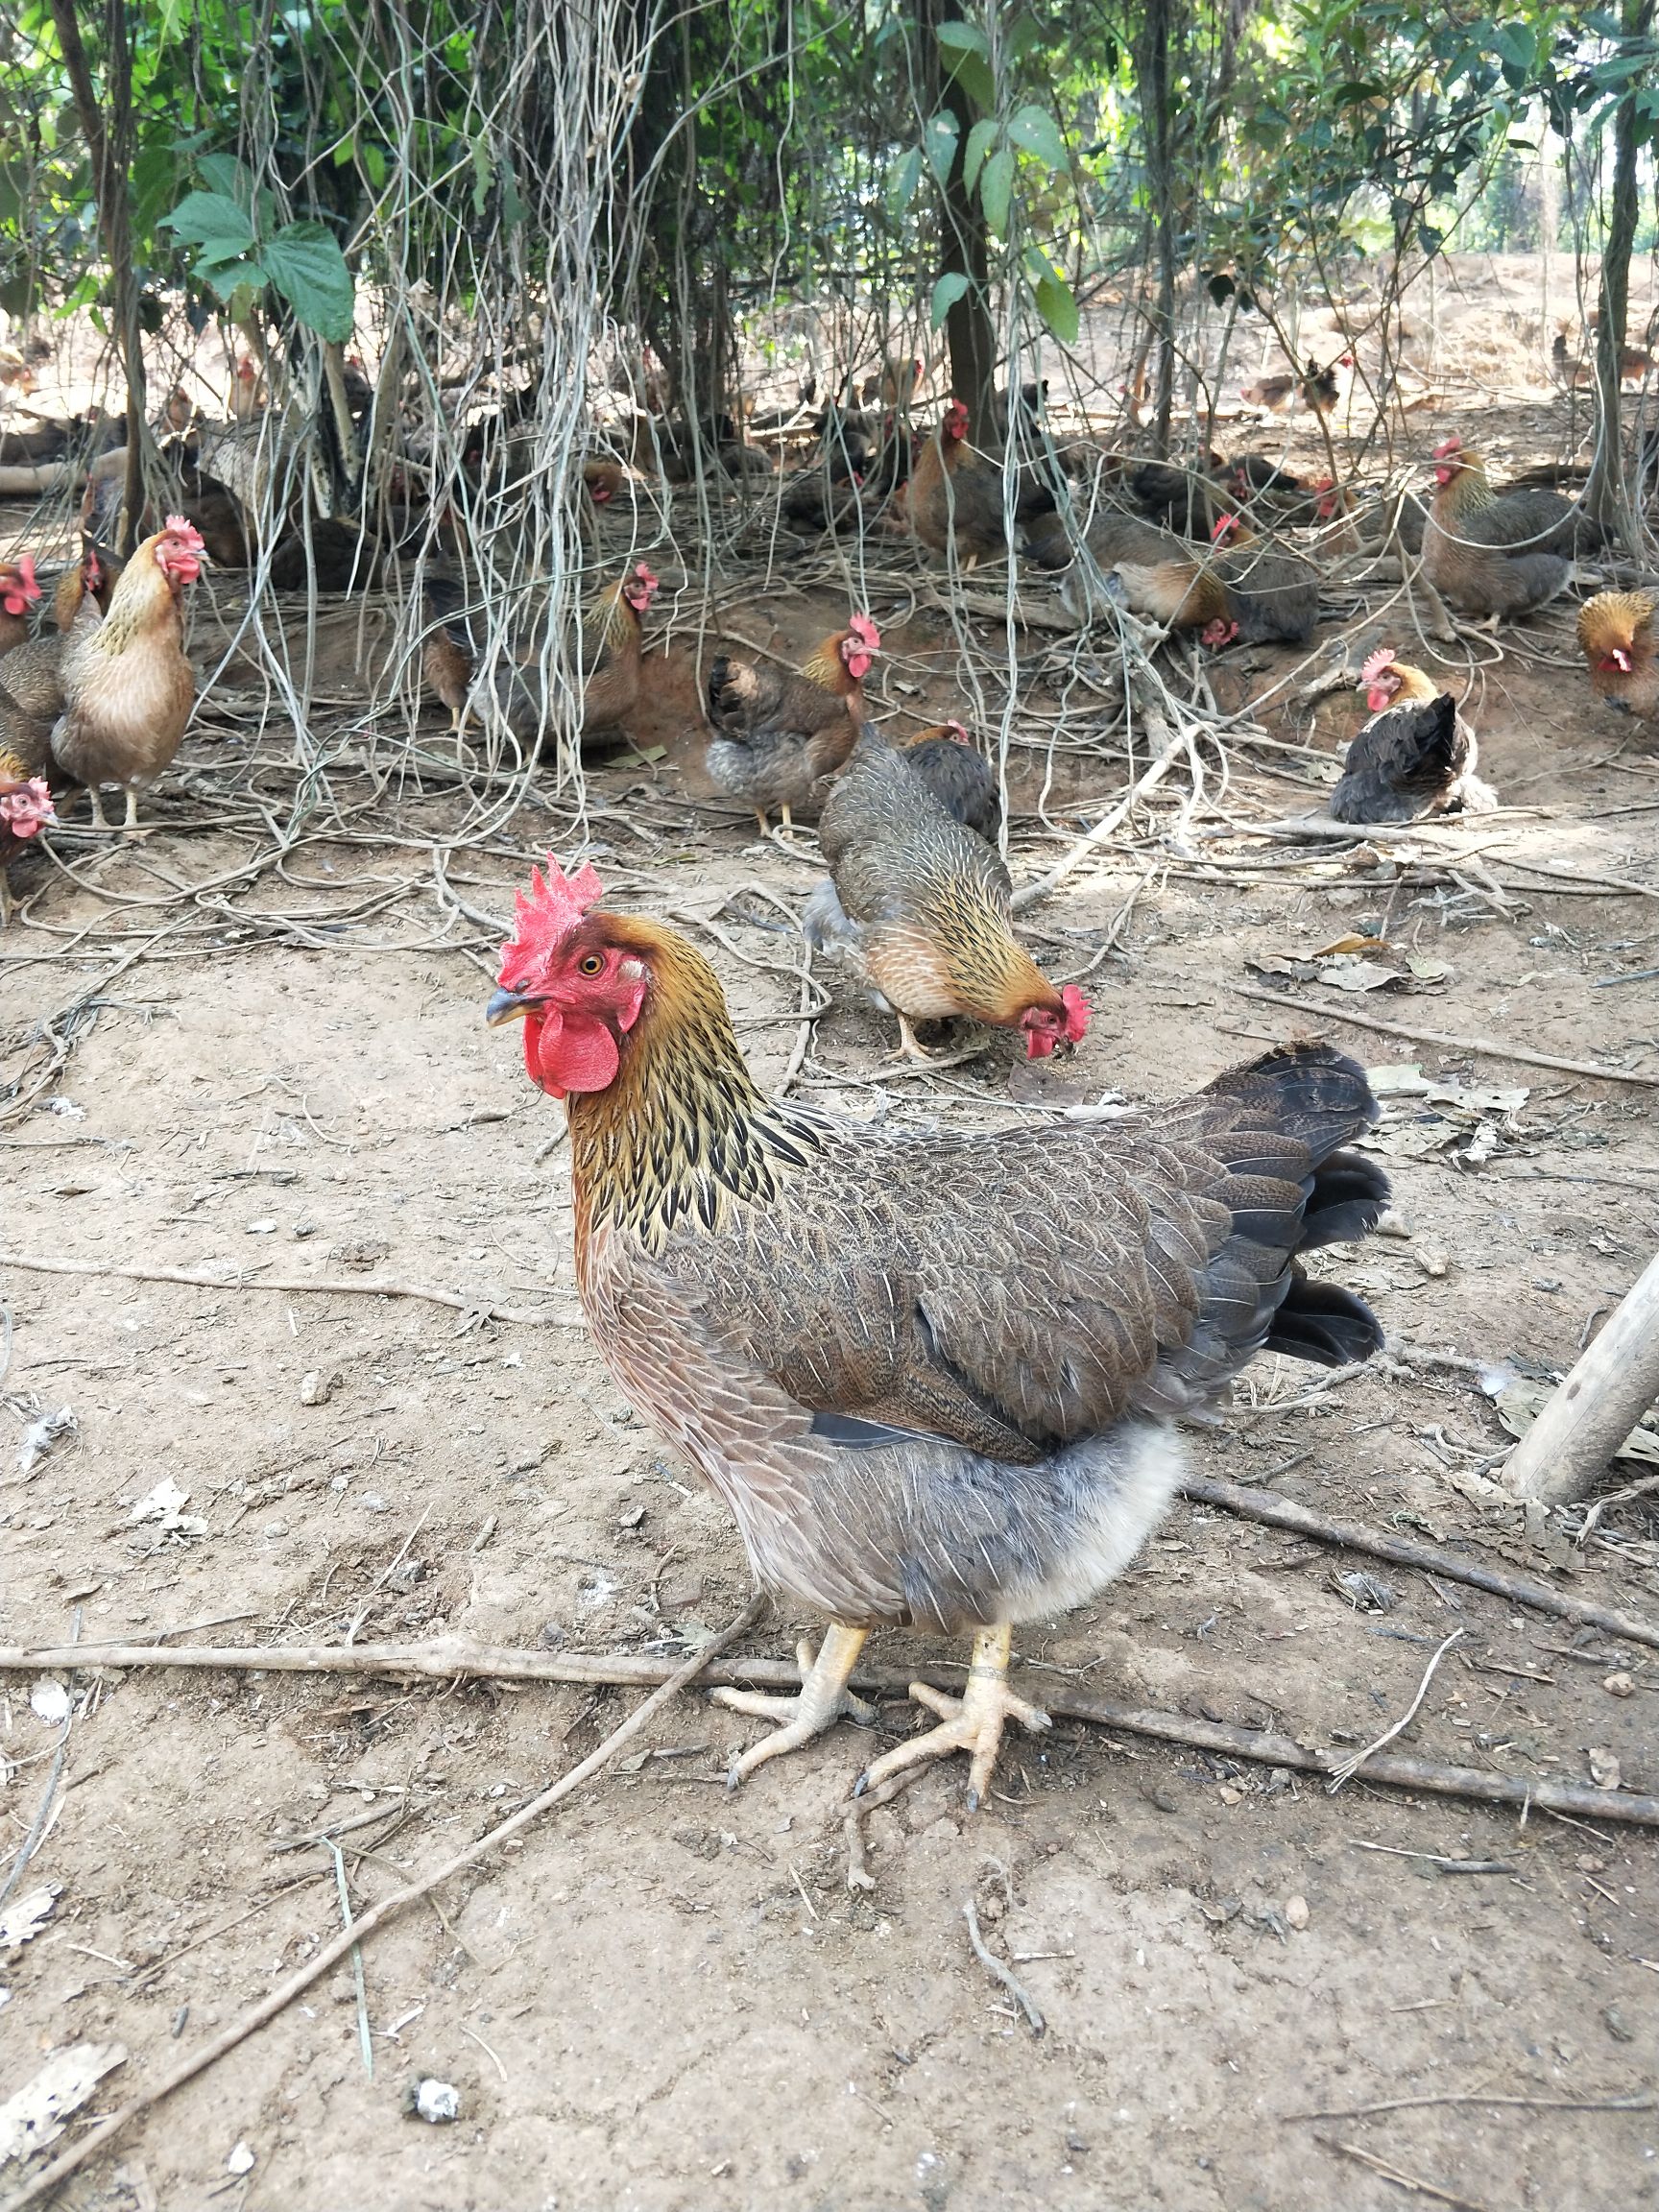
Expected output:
{"points": [[920, 905], [934, 1375], [1491, 553], [1619, 636], [612, 641], [778, 736], [98, 571], [956, 494], [1164, 578], [1415, 756], [19, 592], [127, 682], [449, 654]]}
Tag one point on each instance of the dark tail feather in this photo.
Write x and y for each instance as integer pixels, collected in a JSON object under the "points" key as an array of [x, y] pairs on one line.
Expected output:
{"points": [[1322, 1323], [1308, 1089], [1348, 1196]]}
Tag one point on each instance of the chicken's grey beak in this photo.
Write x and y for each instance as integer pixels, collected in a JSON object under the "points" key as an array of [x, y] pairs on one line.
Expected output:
{"points": [[505, 1006]]}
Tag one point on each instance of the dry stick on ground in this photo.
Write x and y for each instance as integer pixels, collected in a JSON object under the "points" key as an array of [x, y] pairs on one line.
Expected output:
{"points": [[1351, 1767], [448, 1658], [1353, 1536], [1563, 1454], [1029, 894], [1517, 1052], [1400, 2179], [1639, 2100], [997, 1971], [51, 2179], [331, 1287]]}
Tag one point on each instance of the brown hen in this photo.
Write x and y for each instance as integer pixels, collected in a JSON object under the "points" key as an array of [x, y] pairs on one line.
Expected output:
{"points": [[1619, 636], [779, 736]]}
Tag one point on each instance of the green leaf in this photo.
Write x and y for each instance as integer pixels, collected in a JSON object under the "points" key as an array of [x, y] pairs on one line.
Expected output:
{"points": [[950, 288], [373, 162], [906, 176], [996, 188], [224, 173], [964, 38], [940, 141], [1037, 131], [1057, 306], [306, 266], [974, 75], [204, 217], [980, 140]]}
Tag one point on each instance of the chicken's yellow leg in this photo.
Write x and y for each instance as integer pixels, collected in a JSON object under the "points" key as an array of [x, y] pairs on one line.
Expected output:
{"points": [[972, 1722], [823, 1700]]}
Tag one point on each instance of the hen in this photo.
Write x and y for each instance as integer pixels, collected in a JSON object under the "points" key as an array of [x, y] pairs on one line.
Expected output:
{"points": [[1270, 593], [778, 736], [959, 777], [127, 682], [933, 1374], [18, 593], [922, 908], [1490, 553], [25, 809], [1619, 636], [955, 494], [1415, 756], [612, 642], [1165, 579], [98, 571]]}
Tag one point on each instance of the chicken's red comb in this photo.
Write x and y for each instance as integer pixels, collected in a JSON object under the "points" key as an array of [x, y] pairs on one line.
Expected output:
{"points": [[1077, 1012], [1447, 446], [643, 575], [544, 916], [863, 632], [958, 731], [181, 527], [1226, 525], [1379, 665]]}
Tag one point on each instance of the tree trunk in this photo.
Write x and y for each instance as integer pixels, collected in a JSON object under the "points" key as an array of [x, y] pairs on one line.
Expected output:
{"points": [[111, 150], [1152, 70], [969, 329], [1607, 495]]}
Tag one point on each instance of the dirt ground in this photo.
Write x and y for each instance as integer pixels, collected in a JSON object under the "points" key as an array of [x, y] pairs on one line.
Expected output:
{"points": [[665, 1996]]}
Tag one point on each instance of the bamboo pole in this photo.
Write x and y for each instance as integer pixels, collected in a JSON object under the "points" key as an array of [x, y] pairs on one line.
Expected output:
{"points": [[1562, 1454]]}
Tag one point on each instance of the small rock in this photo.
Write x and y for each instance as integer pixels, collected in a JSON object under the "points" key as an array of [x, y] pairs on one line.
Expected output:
{"points": [[49, 1701], [240, 2160], [1615, 2025], [373, 1502], [1432, 1259], [436, 2102], [360, 1252], [1587, 1863], [1393, 1224], [255, 1229], [1619, 1685], [1604, 1770], [1229, 1795], [317, 1388], [1296, 1913]]}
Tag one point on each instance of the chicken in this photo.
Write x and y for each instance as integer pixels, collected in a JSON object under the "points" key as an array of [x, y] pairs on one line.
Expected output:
{"points": [[1377, 518], [1186, 500], [25, 809], [127, 682], [98, 571], [959, 777], [1165, 579], [779, 736], [1619, 636], [1415, 756], [18, 593], [1490, 553], [896, 385], [1316, 389], [1270, 593], [32, 698], [1634, 363], [611, 643], [922, 906], [956, 493], [934, 1375], [449, 661]]}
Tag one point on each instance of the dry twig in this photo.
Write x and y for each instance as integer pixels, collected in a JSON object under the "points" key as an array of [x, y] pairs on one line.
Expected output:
{"points": [[1475, 1045], [997, 1971], [332, 1287]]}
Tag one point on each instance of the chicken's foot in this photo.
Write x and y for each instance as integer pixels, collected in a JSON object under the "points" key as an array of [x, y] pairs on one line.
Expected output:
{"points": [[823, 1700], [910, 1045], [972, 1722], [132, 818], [99, 819]]}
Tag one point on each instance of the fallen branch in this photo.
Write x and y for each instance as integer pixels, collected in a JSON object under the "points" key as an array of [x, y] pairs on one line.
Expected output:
{"points": [[1429, 1558], [1517, 1052], [1640, 2101], [1564, 1454], [1400, 2178], [1029, 895], [450, 1658], [332, 1287], [53, 2176]]}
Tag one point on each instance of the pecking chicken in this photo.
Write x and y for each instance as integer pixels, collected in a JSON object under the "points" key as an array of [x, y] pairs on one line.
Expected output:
{"points": [[1415, 756], [127, 682], [1494, 553], [1619, 636], [959, 777], [934, 1375], [450, 655], [1165, 579], [778, 736], [1270, 593], [19, 592], [922, 907]]}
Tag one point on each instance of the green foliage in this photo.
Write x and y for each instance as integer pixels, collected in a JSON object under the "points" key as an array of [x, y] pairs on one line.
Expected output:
{"points": [[240, 248]]}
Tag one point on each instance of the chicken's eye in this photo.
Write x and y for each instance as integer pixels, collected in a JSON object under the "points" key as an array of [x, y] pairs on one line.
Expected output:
{"points": [[591, 964]]}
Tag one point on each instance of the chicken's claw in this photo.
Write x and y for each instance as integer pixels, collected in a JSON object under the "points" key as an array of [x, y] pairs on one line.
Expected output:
{"points": [[972, 1722], [823, 1700]]}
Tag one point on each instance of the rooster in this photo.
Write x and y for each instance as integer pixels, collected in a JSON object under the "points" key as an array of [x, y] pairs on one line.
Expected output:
{"points": [[922, 907], [127, 682], [1490, 553], [18, 593], [779, 736], [1619, 636], [959, 777], [1415, 756], [934, 1375]]}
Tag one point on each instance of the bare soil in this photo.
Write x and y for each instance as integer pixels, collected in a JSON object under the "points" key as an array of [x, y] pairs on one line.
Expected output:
{"points": [[666, 1997]]}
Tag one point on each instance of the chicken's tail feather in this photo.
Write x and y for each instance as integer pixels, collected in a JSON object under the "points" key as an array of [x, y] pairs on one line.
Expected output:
{"points": [[1323, 1323]]}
